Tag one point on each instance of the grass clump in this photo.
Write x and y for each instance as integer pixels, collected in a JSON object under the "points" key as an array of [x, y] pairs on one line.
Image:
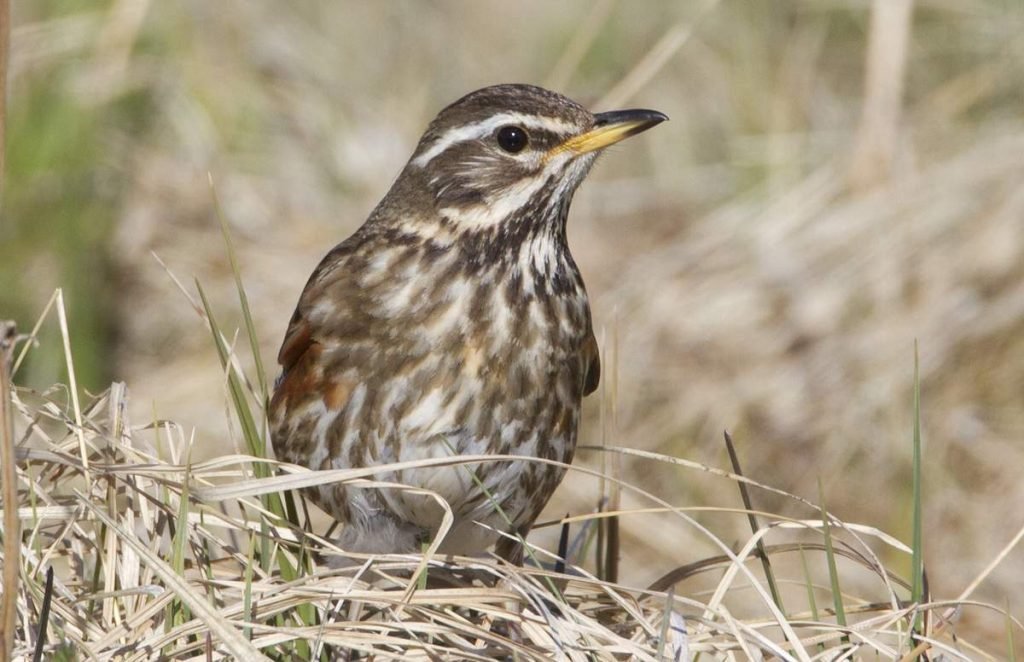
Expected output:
{"points": [[129, 550]]}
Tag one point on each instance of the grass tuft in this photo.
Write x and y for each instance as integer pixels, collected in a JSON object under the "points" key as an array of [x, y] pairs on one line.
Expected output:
{"points": [[176, 547]]}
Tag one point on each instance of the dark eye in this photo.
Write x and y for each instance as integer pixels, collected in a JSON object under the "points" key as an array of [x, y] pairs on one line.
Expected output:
{"points": [[512, 138]]}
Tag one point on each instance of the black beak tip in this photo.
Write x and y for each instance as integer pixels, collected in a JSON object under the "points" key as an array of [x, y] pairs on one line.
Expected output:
{"points": [[642, 116]]}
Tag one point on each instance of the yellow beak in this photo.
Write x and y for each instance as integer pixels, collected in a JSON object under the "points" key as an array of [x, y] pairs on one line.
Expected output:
{"points": [[609, 129]]}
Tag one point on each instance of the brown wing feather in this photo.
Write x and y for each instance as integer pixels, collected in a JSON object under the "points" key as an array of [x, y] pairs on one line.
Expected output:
{"points": [[302, 334], [296, 342], [301, 348]]}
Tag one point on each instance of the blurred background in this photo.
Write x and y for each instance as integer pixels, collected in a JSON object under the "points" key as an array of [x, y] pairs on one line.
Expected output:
{"points": [[839, 179]]}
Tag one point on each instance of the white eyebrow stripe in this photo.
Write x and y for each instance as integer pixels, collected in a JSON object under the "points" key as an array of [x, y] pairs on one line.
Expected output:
{"points": [[479, 129]]}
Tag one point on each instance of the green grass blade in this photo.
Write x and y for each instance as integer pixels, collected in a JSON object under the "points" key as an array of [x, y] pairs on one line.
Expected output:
{"points": [[812, 602], [178, 610], [830, 555], [241, 404], [666, 621], [421, 581], [766, 562], [253, 440], [257, 441], [917, 559], [243, 299], [247, 591]]}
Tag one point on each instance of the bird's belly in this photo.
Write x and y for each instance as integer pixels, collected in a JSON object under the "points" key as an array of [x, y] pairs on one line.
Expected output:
{"points": [[443, 426]]}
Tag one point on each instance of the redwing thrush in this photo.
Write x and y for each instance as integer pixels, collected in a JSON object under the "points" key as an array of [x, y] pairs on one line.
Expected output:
{"points": [[454, 321]]}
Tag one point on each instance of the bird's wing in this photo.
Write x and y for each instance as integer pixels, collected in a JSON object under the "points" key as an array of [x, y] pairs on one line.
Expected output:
{"points": [[305, 330], [329, 313], [592, 364], [297, 341]]}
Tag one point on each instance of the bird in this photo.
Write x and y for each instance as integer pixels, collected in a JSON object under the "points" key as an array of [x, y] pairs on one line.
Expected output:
{"points": [[453, 322]]}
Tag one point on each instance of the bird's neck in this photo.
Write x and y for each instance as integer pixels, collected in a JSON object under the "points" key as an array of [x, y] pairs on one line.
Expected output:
{"points": [[526, 246]]}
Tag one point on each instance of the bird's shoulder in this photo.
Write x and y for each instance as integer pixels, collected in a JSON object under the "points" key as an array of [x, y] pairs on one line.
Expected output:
{"points": [[332, 301]]}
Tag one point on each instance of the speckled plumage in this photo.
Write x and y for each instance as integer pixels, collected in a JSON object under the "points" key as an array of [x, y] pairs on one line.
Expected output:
{"points": [[454, 321]]}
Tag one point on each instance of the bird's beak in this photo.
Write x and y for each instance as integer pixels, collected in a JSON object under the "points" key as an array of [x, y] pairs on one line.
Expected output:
{"points": [[610, 128]]}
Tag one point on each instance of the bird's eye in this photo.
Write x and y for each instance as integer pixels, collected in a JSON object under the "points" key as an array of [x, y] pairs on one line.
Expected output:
{"points": [[512, 139]]}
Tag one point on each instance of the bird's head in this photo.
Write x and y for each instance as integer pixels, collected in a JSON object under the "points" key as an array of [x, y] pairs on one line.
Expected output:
{"points": [[507, 159]]}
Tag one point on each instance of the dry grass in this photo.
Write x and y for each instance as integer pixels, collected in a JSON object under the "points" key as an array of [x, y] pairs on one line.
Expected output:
{"points": [[749, 272], [129, 550]]}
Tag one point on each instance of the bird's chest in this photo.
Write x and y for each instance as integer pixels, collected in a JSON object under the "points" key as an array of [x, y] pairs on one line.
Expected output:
{"points": [[501, 373], [450, 361], [499, 366]]}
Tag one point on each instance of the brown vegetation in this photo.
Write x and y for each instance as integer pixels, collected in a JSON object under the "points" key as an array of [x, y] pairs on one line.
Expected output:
{"points": [[751, 269]]}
